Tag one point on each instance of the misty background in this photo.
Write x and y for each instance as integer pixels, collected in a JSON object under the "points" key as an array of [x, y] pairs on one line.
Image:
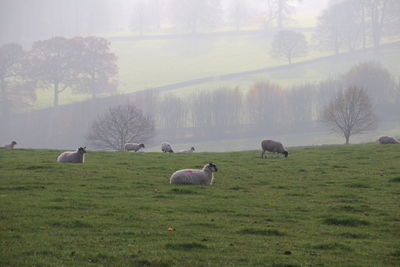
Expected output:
{"points": [[216, 75]]}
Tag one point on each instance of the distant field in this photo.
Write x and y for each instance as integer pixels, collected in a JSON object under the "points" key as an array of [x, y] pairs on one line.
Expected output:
{"points": [[331, 206], [150, 63]]}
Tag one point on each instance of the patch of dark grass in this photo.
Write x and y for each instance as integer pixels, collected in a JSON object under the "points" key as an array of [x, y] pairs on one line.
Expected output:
{"points": [[150, 263], [71, 224], [38, 167], [357, 185], [349, 208], [352, 222], [285, 265], [332, 246], [395, 254], [354, 235], [182, 191], [264, 232], [22, 188], [395, 180], [185, 246]]}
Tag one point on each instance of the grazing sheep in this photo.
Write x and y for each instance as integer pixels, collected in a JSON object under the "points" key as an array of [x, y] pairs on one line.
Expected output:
{"points": [[133, 146], [388, 140], [77, 156], [188, 176], [274, 147], [166, 147], [12, 145], [190, 150]]}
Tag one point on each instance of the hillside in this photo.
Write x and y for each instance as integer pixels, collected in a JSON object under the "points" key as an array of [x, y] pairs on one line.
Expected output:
{"points": [[334, 206], [151, 63]]}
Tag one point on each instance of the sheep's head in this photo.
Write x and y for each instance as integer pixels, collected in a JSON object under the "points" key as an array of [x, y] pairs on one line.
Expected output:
{"points": [[141, 145], [13, 143], [192, 148], [212, 167], [286, 153], [82, 150]]}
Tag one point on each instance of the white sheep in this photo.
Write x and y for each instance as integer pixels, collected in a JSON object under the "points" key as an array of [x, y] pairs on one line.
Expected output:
{"points": [[274, 147], [12, 145], [133, 146], [190, 150], [189, 176], [166, 147], [77, 156], [388, 140]]}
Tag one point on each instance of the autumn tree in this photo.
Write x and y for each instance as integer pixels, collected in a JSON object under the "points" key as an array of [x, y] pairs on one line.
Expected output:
{"points": [[350, 112], [288, 45], [121, 124], [52, 63]]}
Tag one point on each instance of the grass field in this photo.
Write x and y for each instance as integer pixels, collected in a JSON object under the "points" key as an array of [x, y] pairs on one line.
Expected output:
{"points": [[330, 206]]}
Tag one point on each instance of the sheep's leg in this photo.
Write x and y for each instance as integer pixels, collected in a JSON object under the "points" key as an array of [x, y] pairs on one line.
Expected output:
{"points": [[263, 154]]}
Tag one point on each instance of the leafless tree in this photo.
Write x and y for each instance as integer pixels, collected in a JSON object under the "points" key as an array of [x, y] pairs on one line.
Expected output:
{"points": [[351, 112], [121, 124], [289, 44]]}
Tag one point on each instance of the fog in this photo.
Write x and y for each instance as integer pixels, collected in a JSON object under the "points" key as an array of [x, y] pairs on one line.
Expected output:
{"points": [[219, 75]]}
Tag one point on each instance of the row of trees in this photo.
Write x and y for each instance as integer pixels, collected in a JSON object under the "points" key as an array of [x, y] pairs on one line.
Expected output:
{"points": [[350, 112], [85, 65], [267, 106]]}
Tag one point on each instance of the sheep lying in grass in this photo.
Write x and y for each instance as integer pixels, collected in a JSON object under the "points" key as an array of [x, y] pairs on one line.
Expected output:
{"points": [[133, 147], [12, 145], [77, 156], [166, 148], [190, 150], [274, 147], [189, 176], [388, 140]]}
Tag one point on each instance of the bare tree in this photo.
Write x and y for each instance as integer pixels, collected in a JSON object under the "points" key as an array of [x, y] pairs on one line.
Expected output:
{"points": [[121, 124], [351, 112], [239, 13], [289, 44]]}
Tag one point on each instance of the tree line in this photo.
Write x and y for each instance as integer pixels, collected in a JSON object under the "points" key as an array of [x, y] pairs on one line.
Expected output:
{"points": [[266, 106]]}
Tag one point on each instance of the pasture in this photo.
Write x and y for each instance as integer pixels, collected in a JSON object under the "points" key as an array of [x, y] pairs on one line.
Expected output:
{"points": [[327, 206]]}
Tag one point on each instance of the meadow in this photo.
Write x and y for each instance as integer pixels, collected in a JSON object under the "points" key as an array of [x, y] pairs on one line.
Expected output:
{"points": [[325, 206]]}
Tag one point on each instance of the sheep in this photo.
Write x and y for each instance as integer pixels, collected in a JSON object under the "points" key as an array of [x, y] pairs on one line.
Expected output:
{"points": [[133, 146], [190, 150], [388, 140], [274, 147], [166, 147], [12, 145], [189, 176], [77, 156]]}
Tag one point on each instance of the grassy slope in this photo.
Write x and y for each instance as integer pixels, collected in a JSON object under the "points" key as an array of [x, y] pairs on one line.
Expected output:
{"points": [[330, 206]]}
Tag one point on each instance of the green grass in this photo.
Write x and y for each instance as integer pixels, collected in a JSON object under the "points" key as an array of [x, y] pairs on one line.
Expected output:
{"points": [[329, 206]]}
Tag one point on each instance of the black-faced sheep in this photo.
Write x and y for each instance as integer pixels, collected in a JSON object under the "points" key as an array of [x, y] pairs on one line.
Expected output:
{"points": [[77, 156], [388, 140], [11, 146], [133, 147], [274, 147], [166, 147], [189, 176]]}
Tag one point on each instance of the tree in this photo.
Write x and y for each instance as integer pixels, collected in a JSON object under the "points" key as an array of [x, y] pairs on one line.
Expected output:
{"points": [[121, 124], [239, 13], [96, 67], [52, 62], [351, 112], [193, 14], [289, 44], [15, 89], [341, 25]]}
